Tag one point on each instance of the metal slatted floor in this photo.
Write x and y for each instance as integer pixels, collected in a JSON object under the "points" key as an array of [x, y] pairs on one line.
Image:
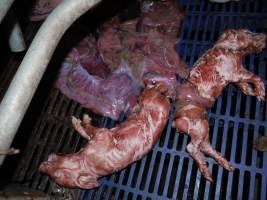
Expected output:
{"points": [[168, 172]]}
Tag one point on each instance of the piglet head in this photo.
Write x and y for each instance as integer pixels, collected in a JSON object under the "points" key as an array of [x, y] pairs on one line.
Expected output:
{"points": [[68, 171], [242, 40]]}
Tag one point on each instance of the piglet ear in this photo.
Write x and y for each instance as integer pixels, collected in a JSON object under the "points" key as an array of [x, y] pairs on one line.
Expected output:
{"points": [[86, 181]]}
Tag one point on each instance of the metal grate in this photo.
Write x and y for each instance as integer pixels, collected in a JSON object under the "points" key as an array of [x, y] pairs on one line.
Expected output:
{"points": [[168, 172]]}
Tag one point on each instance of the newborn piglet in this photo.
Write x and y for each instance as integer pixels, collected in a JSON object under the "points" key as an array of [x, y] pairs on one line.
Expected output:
{"points": [[110, 150], [211, 73]]}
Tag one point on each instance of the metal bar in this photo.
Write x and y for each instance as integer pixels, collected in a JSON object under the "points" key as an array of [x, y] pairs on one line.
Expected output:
{"points": [[33, 66], [4, 7]]}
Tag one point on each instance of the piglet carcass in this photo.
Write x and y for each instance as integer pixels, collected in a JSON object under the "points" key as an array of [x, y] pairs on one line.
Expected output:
{"points": [[110, 150], [211, 73]]}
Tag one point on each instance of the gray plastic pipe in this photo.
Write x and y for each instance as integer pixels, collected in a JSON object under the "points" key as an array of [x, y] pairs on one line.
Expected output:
{"points": [[33, 66], [4, 7]]}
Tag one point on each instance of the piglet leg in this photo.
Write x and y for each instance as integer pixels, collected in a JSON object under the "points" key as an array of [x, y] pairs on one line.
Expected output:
{"points": [[84, 127], [258, 89], [207, 149], [200, 140], [194, 122], [193, 148]]}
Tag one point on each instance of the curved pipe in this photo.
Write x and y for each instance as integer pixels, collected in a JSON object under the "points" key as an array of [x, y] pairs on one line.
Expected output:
{"points": [[33, 66], [4, 7]]}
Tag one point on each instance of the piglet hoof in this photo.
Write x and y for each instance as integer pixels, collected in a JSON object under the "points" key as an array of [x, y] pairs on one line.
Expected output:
{"points": [[206, 173], [260, 91], [76, 123], [225, 164], [87, 119], [261, 97], [217, 156]]}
